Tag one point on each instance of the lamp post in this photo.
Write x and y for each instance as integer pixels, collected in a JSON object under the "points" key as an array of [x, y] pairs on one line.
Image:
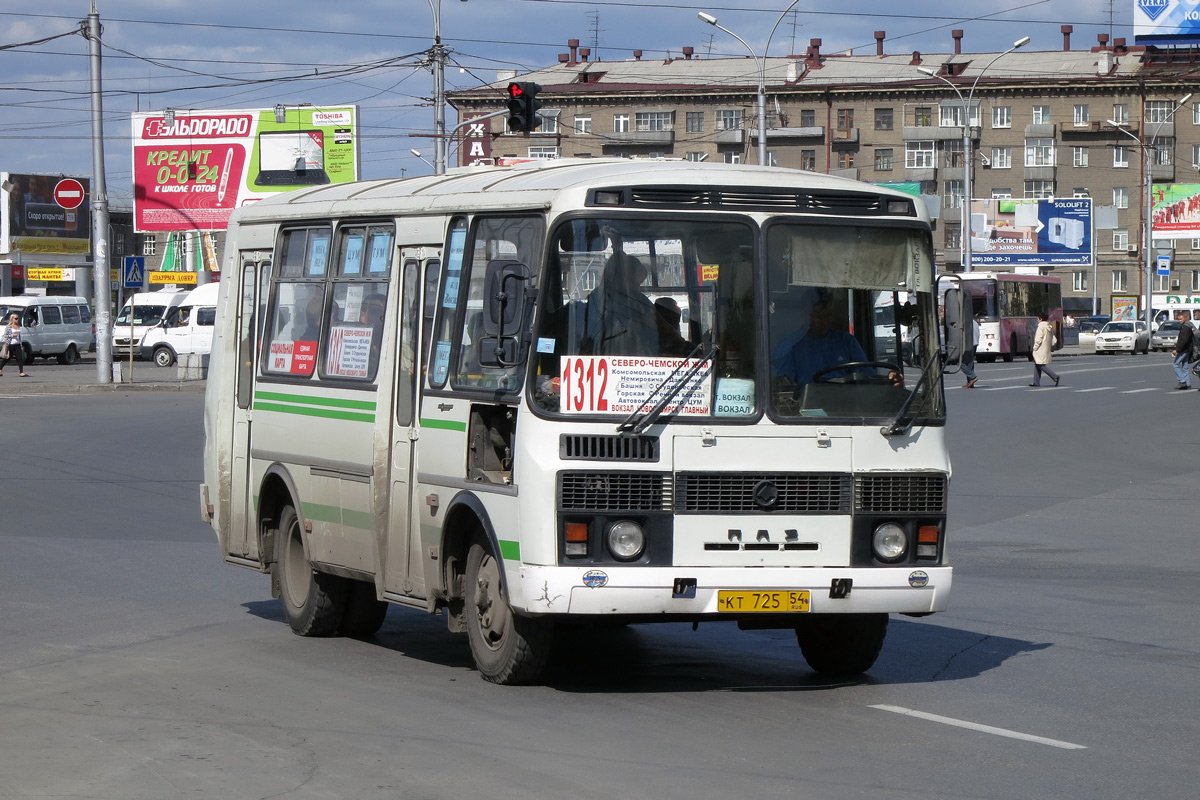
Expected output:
{"points": [[761, 63], [965, 234], [1147, 188]]}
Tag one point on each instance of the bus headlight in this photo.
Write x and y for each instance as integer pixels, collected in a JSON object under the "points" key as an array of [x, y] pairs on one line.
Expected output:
{"points": [[626, 540], [889, 542]]}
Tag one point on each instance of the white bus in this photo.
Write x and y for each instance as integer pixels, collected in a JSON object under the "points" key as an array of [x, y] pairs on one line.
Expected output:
{"points": [[455, 393], [1008, 305]]}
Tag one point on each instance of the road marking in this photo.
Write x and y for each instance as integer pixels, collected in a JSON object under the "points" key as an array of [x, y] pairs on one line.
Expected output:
{"points": [[975, 726], [1000, 388], [1135, 391], [1097, 389]]}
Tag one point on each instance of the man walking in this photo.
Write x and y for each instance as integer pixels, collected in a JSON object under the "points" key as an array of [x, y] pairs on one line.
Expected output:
{"points": [[968, 360], [1183, 354]]}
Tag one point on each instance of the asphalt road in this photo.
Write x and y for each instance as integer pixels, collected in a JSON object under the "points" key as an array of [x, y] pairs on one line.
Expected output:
{"points": [[134, 664]]}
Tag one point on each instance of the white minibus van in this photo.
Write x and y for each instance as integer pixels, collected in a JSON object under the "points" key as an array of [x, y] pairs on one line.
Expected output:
{"points": [[186, 328], [53, 327], [141, 312]]}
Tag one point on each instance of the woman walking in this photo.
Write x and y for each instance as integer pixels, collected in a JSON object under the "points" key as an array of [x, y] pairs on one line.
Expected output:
{"points": [[10, 345], [1043, 343]]}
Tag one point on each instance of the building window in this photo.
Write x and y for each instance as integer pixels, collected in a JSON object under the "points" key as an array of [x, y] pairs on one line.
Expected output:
{"points": [[620, 123], [1120, 156], [1001, 193], [1041, 115], [1080, 191], [1160, 153], [1079, 281], [695, 155], [583, 124], [954, 194], [1196, 156], [808, 160], [883, 119], [1039, 152], [1001, 116], [1121, 240], [729, 119], [928, 187], [919, 155], [733, 157], [149, 246], [695, 122], [1196, 113], [1079, 156], [808, 118], [1120, 280], [1036, 190], [652, 120], [1120, 113], [845, 159], [1196, 244], [1196, 280], [883, 159], [772, 159], [923, 116], [1001, 158], [1158, 111], [845, 119], [549, 120], [952, 154], [1162, 283], [543, 151], [1121, 197], [950, 115], [954, 236], [1081, 115]]}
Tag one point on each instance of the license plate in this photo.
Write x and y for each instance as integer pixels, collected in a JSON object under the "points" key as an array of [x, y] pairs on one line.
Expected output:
{"points": [[762, 601]]}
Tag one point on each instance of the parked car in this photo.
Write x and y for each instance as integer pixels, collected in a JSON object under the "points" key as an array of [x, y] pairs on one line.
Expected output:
{"points": [[1165, 337], [1124, 336]]}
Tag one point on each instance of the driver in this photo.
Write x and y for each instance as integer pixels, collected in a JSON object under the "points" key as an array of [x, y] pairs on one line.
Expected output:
{"points": [[822, 346]]}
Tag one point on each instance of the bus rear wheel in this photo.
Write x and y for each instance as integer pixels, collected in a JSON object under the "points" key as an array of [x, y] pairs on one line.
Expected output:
{"points": [[841, 644], [508, 648], [313, 602], [364, 613]]}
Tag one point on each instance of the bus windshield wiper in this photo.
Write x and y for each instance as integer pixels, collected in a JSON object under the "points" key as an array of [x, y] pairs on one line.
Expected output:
{"points": [[639, 420], [902, 423]]}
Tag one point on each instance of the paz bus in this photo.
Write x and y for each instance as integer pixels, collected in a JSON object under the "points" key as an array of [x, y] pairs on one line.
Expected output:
{"points": [[1007, 305], [456, 394]]}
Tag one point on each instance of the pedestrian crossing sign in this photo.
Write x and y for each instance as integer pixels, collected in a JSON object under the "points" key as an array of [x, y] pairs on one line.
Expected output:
{"points": [[135, 272]]}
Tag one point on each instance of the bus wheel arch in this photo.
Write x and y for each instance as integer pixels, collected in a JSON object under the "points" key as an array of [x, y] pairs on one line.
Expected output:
{"points": [[466, 520], [276, 491]]}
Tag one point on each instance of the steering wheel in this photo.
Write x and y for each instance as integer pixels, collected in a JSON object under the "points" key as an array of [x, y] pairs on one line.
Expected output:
{"points": [[821, 375]]}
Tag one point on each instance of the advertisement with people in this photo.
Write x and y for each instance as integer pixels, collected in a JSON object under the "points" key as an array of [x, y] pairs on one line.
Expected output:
{"points": [[45, 214], [1046, 232], [192, 168], [1175, 209]]}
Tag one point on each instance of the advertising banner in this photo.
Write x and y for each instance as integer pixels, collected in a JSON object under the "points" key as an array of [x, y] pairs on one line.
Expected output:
{"points": [[192, 170], [1042, 233], [1166, 21], [1175, 209], [46, 214]]}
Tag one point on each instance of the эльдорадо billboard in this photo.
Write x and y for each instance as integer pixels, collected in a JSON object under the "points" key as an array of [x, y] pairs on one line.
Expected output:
{"points": [[46, 214], [191, 171]]}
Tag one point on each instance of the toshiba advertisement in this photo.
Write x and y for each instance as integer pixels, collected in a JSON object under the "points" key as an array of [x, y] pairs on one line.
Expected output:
{"points": [[192, 168]]}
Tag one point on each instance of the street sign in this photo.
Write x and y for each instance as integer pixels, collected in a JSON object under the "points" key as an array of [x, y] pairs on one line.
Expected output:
{"points": [[135, 272], [178, 278], [1164, 265], [68, 193]]}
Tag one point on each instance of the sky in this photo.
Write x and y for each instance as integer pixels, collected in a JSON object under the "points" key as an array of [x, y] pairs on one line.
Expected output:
{"points": [[221, 54]]}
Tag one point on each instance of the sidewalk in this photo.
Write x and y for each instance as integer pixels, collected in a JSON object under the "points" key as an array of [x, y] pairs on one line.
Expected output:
{"points": [[50, 377]]}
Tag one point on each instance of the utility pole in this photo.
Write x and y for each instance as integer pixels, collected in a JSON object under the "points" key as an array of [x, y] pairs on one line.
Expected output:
{"points": [[99, 206]]}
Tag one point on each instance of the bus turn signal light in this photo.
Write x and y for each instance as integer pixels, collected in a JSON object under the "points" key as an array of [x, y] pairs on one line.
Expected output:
{"points": [[576, 536], [927, 541]]}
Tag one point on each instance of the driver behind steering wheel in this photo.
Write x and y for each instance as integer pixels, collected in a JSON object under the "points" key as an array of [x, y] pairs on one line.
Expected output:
{"points": [[823, 345]]}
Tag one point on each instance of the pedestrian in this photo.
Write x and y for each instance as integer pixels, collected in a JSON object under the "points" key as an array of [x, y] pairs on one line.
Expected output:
{"points": [[1043, 343], [968, 359], [1182, 351], [10, 345]]}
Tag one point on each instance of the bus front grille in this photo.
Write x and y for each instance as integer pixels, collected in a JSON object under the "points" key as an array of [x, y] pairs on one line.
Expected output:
{"points": [[614, 491], [903, 493], [599, 447], [762, 492]]}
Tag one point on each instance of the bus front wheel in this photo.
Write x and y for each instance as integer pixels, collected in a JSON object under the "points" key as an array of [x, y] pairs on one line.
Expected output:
{"points": [[507, 648], [842, 644], [313, 602]]}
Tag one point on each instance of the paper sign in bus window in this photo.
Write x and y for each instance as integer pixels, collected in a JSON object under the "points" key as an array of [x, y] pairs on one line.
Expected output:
{"points": [[625, 384], [349, 354]]}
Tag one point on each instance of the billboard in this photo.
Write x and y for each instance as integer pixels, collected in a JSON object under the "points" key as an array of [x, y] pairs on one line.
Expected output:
{"points": [[1166, 21], [1175, 209], [48, 214], [1043, 233], [191, 169]]}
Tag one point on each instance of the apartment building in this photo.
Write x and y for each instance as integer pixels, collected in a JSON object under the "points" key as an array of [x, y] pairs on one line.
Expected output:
{"points": [[1039, 126]]}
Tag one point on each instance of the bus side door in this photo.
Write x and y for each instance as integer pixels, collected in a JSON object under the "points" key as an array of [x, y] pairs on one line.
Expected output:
{"points": [[253, 280]]}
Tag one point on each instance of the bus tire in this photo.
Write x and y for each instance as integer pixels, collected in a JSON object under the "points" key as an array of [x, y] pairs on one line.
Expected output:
{"points": [[842, 644], [163, 357], [364, 613], [313, 602], [507, 648]]}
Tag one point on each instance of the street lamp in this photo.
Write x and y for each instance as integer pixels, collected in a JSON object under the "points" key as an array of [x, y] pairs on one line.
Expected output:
{"points": [[417, 153], [762, 74], [965, 234], [1147, 187]]}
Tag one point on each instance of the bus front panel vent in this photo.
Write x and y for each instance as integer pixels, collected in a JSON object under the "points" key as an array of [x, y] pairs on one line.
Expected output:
{"points": [[762, 493], [599, 447], [900, 493], [614, 491]]}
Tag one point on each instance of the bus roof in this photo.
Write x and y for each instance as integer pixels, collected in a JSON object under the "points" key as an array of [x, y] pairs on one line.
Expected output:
{"points": [[539, 184]]}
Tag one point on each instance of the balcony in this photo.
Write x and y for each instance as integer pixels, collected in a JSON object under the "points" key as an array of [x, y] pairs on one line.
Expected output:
{"points": [[642, 137], [845, 139], [1045, 130], [1162, 172], [814, 133], [730, 136], [1040, 173], [937, 133]]}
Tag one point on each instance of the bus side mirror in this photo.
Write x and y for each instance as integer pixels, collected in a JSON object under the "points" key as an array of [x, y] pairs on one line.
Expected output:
{"points": [[956, 322], [504, 295]]}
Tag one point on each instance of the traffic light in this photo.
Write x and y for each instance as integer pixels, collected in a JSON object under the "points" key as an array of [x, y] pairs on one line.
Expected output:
{"points": [[523, 106]]}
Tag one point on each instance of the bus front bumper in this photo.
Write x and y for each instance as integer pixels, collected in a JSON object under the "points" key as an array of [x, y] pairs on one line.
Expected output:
{"points": [[694, 592]]}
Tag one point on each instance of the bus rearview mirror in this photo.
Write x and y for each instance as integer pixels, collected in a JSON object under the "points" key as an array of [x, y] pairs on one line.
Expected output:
{"points": [[956, 318]]}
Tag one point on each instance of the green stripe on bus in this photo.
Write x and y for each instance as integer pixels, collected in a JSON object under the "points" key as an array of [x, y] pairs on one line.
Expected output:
{"points": [[510, 551], [327, 413], [444, 424], [364, 405], [317, 512]]}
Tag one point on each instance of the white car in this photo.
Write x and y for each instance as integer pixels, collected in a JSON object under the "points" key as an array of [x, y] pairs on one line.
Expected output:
{"points": [[1124, 336]]}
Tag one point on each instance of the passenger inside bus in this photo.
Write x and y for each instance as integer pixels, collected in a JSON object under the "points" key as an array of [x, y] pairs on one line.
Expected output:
{"points": [[620, 319]]}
